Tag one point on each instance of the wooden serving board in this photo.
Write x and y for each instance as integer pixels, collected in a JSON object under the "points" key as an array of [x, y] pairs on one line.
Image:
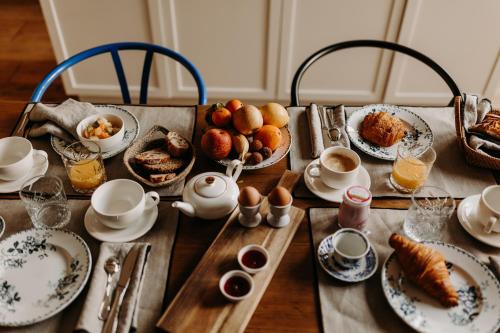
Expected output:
{"points": [[199, 306]]}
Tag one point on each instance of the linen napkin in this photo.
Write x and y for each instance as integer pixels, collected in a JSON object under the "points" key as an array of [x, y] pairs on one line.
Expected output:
{"points": [[333, 119], [61, 120], [127, 317], [475, 111]]}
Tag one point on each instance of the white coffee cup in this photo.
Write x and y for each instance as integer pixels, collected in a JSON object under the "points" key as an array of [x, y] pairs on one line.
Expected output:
{"points": [[488, 209], [16, 157], [349, 246], [334, 178], [120, 202]]}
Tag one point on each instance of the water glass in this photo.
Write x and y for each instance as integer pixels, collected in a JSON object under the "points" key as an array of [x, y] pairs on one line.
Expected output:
{"points": [[45, 201], [410, 169], [427, 216], [83, 162]]}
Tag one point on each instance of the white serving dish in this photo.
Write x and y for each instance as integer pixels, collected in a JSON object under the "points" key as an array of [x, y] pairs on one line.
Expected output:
{"points": [[107, 144]]}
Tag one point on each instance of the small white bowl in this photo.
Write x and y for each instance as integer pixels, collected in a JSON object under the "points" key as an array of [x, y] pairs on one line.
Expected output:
{"points": [[230, 274], [254, 247], [107, 144]]}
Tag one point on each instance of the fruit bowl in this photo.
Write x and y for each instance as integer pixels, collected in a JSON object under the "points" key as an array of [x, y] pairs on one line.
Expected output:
{"points": [[279, 153]]}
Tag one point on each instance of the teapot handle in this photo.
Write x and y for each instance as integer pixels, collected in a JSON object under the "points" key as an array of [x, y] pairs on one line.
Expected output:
{"points": [[235, 166]]}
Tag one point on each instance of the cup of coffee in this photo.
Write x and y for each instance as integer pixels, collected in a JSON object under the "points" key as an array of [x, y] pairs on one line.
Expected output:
{"points": [[16, 157], [488, 209], [349, 246], [338, 167], [120, 202]]}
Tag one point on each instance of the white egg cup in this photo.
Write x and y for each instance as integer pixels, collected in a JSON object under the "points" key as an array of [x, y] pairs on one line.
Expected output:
{"points": [[250, 217], [278, 215]]}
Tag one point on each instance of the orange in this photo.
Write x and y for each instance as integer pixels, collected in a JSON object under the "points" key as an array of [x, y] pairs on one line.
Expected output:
{"points": [[270, 136], [234, 105], [221, 117]]}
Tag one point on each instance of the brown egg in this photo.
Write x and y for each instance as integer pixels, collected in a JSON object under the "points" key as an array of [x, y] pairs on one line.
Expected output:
{"points": [[249, 196], [279, 196]]}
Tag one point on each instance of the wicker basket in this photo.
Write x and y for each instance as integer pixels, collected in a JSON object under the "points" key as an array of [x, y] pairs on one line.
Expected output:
{"points": [[471, 156], [153, 138]]}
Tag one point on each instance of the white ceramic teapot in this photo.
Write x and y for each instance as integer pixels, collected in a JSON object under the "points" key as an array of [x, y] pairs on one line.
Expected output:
{"points": [[211, 195]]}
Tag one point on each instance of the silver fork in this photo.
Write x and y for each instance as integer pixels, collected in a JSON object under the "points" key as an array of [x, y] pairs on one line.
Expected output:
{"points": [[333, 131], [325, 130]]}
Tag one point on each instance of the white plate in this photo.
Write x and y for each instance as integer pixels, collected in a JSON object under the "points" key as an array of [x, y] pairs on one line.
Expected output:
{"points": [[478, 290], [40, 166], [130, 123], [465, 214], [105, 234], [278, 154], [42, 272], [419, 135], [325, 192], [363, 270]]}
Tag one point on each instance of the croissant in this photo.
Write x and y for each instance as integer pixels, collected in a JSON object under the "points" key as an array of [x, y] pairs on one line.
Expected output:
{"points": [[426, 268], [382, 129]]}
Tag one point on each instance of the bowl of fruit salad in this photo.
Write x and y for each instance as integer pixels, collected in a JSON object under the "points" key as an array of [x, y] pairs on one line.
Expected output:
{"points": [[106, 130]]}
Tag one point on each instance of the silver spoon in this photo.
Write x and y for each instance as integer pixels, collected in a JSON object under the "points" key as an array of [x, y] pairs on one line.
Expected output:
{"points": [[111, 266]]}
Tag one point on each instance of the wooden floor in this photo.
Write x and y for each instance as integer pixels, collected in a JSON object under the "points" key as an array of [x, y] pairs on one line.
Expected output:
{"points": [[26, 56]]}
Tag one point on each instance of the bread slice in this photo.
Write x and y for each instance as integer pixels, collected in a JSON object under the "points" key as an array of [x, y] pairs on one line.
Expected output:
{"points": [[166, 167], [153, 156], [176, 144], [162, 177]]}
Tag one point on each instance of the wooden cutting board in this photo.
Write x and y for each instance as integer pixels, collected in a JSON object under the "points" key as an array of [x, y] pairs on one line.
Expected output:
{"points": [[199, 306]]}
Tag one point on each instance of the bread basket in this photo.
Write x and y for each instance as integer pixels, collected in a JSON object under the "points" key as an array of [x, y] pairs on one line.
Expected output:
{"points": [[154, 138], [472, 156]]}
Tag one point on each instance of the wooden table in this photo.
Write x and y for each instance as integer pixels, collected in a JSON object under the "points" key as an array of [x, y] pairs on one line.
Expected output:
{"points": [[290, 303]]}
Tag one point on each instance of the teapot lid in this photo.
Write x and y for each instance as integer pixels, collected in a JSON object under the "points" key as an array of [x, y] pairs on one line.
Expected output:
{"points": [[210, 186]]}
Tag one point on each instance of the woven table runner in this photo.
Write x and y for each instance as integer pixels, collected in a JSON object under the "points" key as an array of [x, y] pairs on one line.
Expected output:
{"points": [[161, 237], [180, 119], [362, 307], [449, 172]]}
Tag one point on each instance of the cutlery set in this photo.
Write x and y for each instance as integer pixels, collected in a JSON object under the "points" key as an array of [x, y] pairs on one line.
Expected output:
{"points": [[331, 133]]}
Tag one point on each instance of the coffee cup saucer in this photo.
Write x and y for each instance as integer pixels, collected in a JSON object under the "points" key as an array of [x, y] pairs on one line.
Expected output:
{"points": [[325, 192], [99, 231], [40, 166], [465, 214], [362, 270]]}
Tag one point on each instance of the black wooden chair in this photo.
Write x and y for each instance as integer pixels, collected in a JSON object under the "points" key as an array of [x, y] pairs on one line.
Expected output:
{"points": [[369, 43]]}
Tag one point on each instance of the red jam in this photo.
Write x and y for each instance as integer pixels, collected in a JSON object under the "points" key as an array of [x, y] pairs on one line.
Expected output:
{"points": [[237, 286], [254, 259]]}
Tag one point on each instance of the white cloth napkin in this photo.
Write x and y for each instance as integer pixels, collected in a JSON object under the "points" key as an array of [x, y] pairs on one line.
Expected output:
{"points": [[60, 120], [315, 134], [474, 113], [127, 318]]}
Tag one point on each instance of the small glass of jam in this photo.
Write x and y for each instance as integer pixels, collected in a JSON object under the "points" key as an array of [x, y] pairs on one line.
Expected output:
{"points": [[236, 285], [253, 258]]}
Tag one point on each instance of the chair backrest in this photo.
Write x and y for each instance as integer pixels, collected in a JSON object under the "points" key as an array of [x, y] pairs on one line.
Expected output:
{"points": [[368, 43], [146, 69]]}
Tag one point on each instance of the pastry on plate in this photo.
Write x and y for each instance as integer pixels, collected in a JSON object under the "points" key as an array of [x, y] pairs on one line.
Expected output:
{"points": [[489, 127], [382, 129], [426, 268]]}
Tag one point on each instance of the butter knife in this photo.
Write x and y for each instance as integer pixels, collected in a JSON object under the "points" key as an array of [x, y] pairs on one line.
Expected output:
{"points": [[128, 267], [325, 131]]}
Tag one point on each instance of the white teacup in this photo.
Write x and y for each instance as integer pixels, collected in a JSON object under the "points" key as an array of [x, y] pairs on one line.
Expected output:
{"points": [[121, 202], [16, 157], [332, 176], [349, 246], [488, 209]]}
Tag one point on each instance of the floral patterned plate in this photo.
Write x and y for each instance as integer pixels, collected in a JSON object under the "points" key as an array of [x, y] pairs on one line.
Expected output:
{"points": [[478, 290], [419, 136], [361, 271], [41, 272], [131, 131]]}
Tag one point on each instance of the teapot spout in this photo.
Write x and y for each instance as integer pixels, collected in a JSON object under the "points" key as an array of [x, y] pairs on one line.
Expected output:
{"points": [[184, 207]]}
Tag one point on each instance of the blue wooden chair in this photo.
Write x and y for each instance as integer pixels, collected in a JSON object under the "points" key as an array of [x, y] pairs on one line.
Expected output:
{"points": [[113, 49], [294, 96]]}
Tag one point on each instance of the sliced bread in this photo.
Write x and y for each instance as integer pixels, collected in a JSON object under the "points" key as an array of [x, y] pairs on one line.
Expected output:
{"points": [[176, 144], [166, 167], [162, 177], [153, 156]]}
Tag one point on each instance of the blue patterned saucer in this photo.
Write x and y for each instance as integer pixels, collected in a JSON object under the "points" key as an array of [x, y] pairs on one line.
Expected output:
{"points": [[361, 271]]}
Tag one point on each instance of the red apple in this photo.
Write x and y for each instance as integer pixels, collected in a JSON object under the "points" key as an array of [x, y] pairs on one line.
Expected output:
{"points": [[216, 143]]}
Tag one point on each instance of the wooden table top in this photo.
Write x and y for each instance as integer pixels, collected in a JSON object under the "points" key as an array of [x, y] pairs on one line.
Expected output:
{"points": [[290, 303]]}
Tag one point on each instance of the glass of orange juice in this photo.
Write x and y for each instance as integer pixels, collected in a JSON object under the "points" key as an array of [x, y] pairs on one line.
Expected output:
{"points": [[410, 170], [84, 166]]}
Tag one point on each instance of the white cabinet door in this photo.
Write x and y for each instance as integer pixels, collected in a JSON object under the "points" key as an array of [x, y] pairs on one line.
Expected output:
{"points": [[354, 76], [460, 35]]}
